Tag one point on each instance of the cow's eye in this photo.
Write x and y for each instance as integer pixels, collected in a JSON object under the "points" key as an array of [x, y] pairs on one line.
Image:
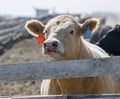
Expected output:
{"points": [[71, 32]]}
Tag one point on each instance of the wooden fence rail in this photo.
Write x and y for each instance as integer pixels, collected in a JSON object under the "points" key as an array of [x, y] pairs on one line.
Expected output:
{"points": [[97, 96], [61, 69]]}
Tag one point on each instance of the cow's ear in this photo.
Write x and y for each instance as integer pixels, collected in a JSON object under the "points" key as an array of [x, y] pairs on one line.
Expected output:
{"points": [[34, 27], [92, 24]]}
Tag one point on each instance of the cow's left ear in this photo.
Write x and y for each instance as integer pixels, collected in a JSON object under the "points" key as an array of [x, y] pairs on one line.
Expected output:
{"points": [[34, 27], [92, 24]]}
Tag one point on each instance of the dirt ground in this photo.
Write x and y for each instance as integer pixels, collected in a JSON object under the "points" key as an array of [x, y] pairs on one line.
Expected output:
{"points": [[25, 51]]}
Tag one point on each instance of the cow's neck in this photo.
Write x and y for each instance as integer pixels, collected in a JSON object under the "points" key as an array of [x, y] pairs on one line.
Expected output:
{"points": [[84, 50], [80, 51]]}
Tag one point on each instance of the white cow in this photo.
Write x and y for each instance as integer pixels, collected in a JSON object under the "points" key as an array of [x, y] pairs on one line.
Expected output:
{"points": [[64, 41]]}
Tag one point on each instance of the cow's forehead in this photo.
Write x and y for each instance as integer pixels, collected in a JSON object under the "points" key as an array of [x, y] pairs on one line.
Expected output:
{"points": [[61, 21]]}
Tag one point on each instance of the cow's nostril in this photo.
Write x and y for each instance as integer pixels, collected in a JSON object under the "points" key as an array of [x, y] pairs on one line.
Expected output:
{"points": [[55, 44], [50, 45]]}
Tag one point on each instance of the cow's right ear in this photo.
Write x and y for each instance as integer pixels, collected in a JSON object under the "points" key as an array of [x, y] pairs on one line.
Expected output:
{"points": [[92, 23], [34, 27]]}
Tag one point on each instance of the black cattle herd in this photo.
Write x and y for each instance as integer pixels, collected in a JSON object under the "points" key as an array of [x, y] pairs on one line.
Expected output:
{"points": [[108, 38], [110, 41]]}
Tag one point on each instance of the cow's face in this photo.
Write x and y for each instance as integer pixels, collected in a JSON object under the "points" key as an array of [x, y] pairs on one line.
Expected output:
{"points": [[62, 35]]}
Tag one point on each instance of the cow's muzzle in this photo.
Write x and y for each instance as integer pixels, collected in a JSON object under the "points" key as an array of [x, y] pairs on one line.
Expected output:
{"points": [[50, 45], [53, 48]]}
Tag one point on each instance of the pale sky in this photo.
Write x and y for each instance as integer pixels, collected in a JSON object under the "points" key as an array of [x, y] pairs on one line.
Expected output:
{"points": [[26, 7]]}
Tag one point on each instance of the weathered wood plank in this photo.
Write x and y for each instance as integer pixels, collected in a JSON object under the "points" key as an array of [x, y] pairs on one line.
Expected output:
{"points": [[94, 96], [36, 97], [82, 96], [10, 30], [12, 36], [11, 23], [63, 69]]}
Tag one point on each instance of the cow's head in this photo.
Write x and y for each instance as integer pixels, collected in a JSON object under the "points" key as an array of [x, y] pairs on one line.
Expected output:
{"points": [[62, 35]]}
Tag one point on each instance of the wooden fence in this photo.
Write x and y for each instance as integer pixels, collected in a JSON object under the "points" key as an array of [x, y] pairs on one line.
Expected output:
{"points": [[62, 69]]}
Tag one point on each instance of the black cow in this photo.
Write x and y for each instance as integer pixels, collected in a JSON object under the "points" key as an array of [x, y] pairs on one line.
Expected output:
{"points": [[99, 33], [110, 42]]}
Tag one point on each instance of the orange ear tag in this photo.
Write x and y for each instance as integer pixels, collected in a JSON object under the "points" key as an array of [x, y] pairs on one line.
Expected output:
{"points": [[41, 38]]}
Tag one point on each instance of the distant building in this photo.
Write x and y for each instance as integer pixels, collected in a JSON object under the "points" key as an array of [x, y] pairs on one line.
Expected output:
{"points": [[41, 12]]}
